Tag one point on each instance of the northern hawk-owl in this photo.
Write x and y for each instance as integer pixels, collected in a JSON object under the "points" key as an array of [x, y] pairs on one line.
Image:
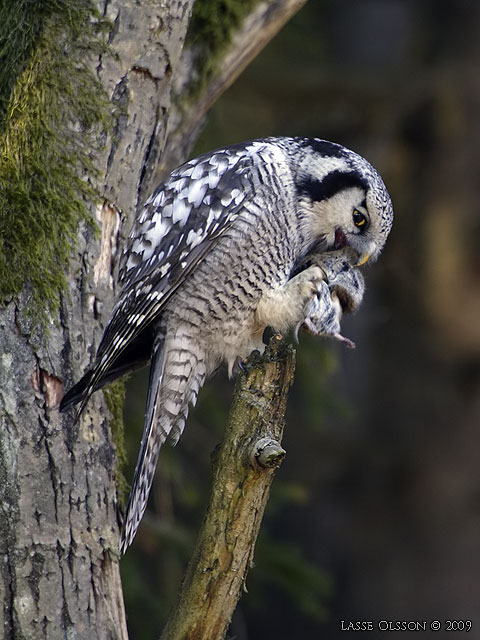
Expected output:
{"points": [[253, 235]]}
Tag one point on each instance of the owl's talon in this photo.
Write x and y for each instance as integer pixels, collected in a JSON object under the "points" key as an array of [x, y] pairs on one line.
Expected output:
{"points": [[241, 365], [296, 329], [346, 341]]}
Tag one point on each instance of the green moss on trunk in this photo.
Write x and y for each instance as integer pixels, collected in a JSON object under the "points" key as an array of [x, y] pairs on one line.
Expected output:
{"points": [[211, 28], [52, 109]]}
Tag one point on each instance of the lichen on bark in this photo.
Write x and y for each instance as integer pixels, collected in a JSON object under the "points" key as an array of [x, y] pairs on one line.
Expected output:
{"points": [[51, 109], [115, 398]]}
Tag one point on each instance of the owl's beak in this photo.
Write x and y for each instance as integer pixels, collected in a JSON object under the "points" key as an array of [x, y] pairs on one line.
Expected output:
{"points": [[365, 257]]}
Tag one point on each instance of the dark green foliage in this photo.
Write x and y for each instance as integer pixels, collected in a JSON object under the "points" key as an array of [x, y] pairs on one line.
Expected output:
{"points": [[283, 567], [211, 27], [51, 106]]}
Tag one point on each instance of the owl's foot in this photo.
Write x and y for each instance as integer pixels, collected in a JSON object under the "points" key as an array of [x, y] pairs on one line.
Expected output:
{"points": [[285, 307]]}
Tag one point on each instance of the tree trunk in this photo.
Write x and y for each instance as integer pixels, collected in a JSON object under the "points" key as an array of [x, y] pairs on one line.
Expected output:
{"points": [[58, 486], [58, 496]]}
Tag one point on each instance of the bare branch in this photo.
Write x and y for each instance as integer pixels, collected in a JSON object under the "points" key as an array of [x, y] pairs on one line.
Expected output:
{"points": [[256, 31], [243, 472], [260, 26]]}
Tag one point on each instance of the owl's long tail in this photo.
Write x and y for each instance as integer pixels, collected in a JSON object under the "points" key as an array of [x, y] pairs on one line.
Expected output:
{"points": [[177, 372]]}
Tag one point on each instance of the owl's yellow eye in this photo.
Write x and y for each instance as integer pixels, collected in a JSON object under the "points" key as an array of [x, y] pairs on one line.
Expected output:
{"points": [[359, 219]]}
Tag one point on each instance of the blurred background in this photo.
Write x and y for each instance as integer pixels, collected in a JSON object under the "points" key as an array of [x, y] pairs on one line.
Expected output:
{"points": [[375, 512]]}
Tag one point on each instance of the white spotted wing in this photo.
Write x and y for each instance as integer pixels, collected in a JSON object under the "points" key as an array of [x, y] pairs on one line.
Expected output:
{"points": [[177, 227]]}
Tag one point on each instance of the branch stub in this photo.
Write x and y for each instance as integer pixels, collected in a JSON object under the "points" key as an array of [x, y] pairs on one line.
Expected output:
{"points": [[267, 453]]}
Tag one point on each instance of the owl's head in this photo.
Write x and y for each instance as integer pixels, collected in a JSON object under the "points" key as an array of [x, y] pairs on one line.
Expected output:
{"points": [[343, 200]]}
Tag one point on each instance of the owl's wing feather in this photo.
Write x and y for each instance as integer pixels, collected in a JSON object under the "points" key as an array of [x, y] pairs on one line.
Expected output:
{"points": [[178, 227]]}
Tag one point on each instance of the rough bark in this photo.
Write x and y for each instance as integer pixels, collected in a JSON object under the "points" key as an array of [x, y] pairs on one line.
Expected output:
{"points": [[58, 526], [58, 502], [243, 472]]}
